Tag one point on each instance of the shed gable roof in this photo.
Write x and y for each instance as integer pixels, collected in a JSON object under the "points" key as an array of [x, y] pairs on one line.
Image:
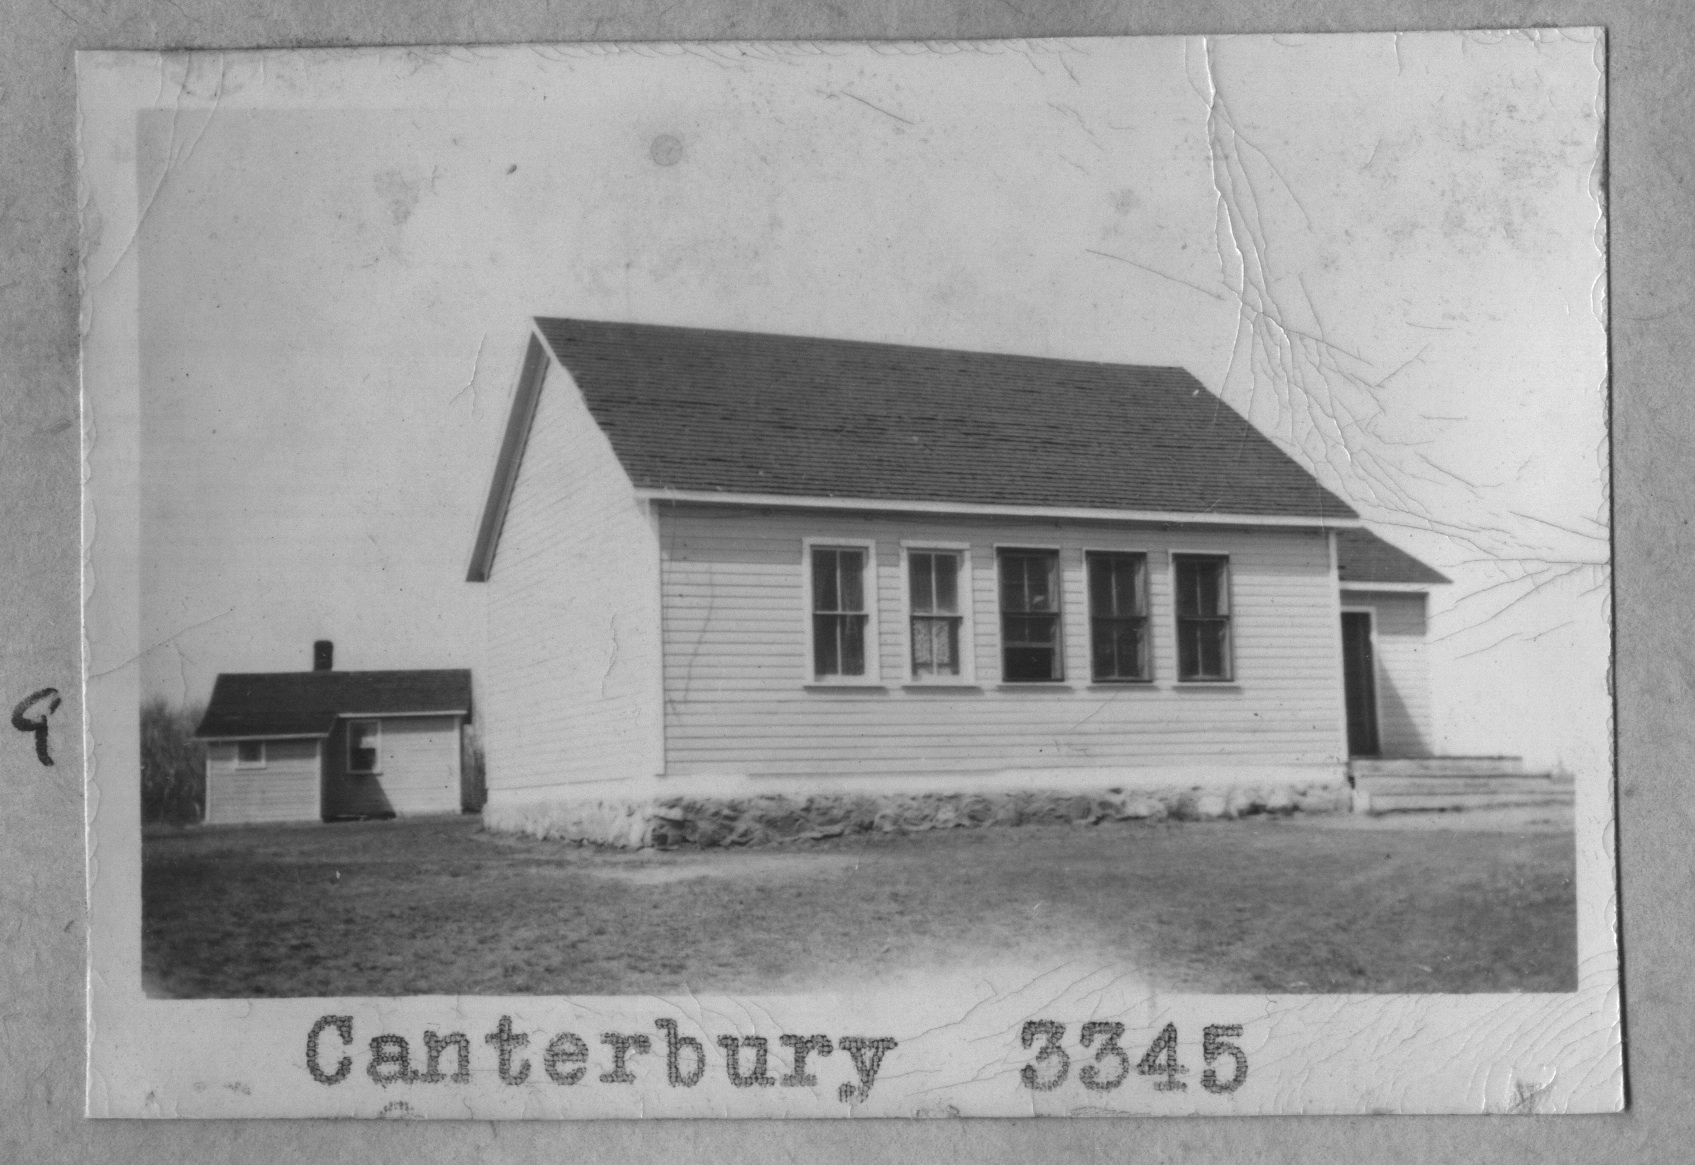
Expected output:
{"points": [[1363, 557], [307, 703], [740, 413]]}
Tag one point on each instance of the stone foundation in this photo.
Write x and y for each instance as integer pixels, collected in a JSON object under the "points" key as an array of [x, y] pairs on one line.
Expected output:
{"points": [[667, 821]]}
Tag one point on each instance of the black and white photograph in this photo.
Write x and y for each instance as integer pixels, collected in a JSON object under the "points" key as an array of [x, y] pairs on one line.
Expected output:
{"points": [[1005, 578]]}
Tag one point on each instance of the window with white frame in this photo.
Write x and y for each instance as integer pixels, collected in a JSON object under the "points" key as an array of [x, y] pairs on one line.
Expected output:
{"points": [[1203, 617], [1118, 617], [1030, 616], [840, 615], [936, 613], [364, 746], [250, 754]]}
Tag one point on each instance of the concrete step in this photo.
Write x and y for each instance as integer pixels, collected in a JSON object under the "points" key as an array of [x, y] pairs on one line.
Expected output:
{"points": [[1455, 786], [1409, 802], [1436, 766]]}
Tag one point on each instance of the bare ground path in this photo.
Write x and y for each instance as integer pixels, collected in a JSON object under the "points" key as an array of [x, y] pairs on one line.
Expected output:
{"points": [[1422, 903]]}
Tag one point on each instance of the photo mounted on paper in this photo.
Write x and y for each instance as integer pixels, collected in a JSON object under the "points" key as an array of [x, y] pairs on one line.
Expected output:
{"points": [[1052, 577]]}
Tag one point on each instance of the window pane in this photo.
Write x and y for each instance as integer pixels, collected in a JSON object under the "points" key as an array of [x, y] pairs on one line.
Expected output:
{"points": [[1025, 630], [853, 645], [1187, 604], [1120, 649], [1203, 649], [935, 646], [1029, 580], [826, 646], [1212, 650], [824, 594], [1140, 665], [1134, 598], [1102, 652], [947, 647], [1206, 588], [362, 746], [1029, 663], [1117, 584], [852, 579], [1100, 585], [919, 566], [1012, 583], [946, 573], [1040, 585], [1121, 589], [250, 752], [1200, 586], [1188, 651]]}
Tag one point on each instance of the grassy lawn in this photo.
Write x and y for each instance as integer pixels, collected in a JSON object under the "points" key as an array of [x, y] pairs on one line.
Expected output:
{"points": [[1260, 905]]}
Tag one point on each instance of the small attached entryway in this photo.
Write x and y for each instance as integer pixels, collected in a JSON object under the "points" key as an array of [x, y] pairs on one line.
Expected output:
{"points": [[1359, 684]]}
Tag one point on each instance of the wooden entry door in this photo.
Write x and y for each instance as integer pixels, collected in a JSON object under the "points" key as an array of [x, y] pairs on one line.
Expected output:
{"points": [[1359, 683]]}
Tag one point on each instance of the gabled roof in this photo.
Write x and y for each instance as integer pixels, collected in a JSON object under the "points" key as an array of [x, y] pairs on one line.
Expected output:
{"points": [[696, 411], [307, 703], [1362, 557]]}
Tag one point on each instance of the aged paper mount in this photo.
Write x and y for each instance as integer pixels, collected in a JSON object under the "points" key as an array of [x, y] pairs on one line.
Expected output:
{"points": [[1058, 578]]}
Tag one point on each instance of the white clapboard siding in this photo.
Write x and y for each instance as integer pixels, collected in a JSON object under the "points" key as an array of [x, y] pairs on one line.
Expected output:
{"points": [[285, 789], [1403, 669], [417, 770], [420, 763], [737, 694], [572, 687]]}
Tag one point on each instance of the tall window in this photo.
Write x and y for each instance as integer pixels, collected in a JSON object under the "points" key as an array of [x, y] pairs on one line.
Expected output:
{"points": [[936, 615], [1203, 616], [1030, 643], [364, 745], [1118, 617], [839, 614]]}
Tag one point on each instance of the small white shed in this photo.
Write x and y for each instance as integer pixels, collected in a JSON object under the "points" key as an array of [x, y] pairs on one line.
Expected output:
{"points": [[326, 745]]}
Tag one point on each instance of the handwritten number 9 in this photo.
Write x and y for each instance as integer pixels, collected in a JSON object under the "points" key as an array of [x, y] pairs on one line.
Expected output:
{"points": [[37, 724]]}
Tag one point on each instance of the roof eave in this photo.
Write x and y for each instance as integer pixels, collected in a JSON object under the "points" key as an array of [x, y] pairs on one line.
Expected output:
{"points": [[972, 509], [261, 736], [1406, 587], [517, 436]]}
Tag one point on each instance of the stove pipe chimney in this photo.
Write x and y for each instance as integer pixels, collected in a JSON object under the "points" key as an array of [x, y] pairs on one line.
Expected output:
{"points": [[323, 655]]}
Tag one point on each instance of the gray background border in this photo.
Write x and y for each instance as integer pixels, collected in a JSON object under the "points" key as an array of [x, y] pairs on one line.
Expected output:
{"points": [[1651, 60]]}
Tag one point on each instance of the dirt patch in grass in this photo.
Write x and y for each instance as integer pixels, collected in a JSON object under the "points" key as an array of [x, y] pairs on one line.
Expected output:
{"points": [[440, 907]]}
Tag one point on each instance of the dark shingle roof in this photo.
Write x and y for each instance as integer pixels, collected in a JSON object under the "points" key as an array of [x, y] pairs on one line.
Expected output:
{"points": [[307, 703], [736, 412], [1363, 557]]}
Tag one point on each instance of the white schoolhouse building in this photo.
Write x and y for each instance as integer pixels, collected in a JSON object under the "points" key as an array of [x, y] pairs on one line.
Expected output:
{"points": [[723, 563]]}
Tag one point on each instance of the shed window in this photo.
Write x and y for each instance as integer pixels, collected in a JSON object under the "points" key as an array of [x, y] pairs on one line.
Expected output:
{"points": [[250, 754], [1030, 642], [839, 614], [1203, 617], [364, 745], [935, 613], [1118, 617]]}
